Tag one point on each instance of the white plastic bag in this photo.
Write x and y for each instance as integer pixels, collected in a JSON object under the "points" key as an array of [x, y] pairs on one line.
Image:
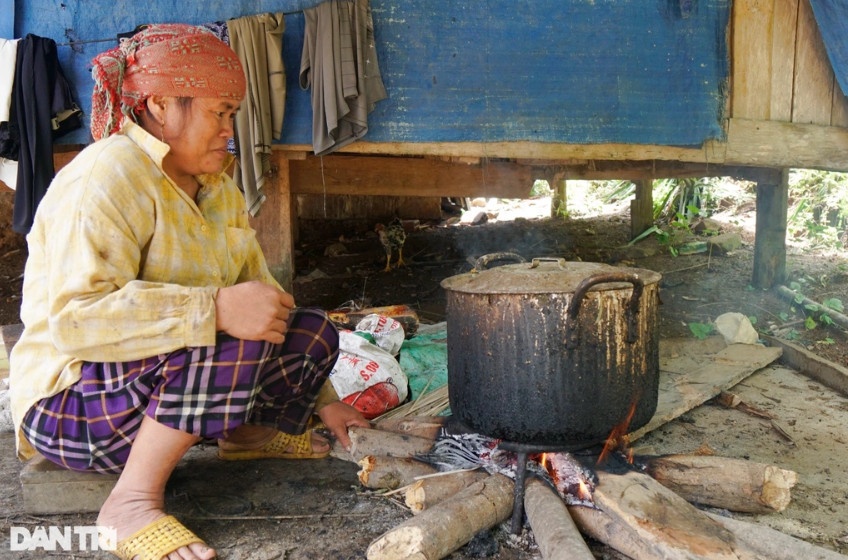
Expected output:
{"points": [[367, 377], [388, 333]]}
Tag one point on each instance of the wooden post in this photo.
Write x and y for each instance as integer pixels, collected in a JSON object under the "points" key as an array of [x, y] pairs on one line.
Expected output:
{"points": [[770, 245], [642, 207], [559, 203], [274, 223]]}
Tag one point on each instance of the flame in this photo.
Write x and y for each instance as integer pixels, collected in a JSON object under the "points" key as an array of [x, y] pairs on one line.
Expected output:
{"points": [[618, 439], [584, 492]]}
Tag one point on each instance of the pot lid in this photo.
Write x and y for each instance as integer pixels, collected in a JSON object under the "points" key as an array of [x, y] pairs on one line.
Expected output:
{"points": [[543, 276]]}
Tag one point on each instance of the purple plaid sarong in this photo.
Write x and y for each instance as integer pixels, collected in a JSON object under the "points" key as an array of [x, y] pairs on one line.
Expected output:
{"points": [[205, 391]]}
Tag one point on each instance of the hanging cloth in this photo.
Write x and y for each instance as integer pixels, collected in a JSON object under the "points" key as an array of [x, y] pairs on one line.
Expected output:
{"points": [[339, 64], [41, 93], [8, 139], [258, 42]]}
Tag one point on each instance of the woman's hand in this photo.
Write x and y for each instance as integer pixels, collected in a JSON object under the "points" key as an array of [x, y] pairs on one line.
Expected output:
{"points": [[253, 311], [338, 417]]}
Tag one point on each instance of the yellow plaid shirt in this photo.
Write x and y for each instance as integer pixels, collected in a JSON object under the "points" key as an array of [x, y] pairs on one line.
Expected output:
{"points": [[124, 265]]}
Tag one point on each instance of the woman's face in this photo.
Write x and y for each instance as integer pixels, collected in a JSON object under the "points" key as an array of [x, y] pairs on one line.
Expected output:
{"points": [[199, 133]]}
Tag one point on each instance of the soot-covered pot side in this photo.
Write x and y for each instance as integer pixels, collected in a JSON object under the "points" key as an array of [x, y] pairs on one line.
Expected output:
{"points": [[520, 369]]}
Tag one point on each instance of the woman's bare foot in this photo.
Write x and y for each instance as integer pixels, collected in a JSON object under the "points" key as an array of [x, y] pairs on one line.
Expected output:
{"points": [[128, 511]]}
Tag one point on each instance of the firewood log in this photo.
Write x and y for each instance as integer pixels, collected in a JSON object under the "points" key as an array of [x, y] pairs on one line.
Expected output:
{"points": [[723, 482], [644, 520], [427, 492], [389, 473], [368, 441], [440, 530], [419, 426], [767, 543], [555, 531]]}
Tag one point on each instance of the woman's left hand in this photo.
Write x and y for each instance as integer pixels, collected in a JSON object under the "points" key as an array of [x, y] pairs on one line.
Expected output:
{"points": [[338, 417]]}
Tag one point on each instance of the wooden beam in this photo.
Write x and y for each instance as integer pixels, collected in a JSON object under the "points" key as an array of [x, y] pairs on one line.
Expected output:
{"points": [[784, 145], [365, 175], [770, 246], [711, 151]]}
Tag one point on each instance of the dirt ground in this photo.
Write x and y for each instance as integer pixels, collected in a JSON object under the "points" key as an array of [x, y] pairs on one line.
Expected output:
{"points": [[279, 510]]}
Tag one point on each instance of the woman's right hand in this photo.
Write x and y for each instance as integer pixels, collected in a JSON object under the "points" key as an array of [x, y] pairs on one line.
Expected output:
{"points": [[253, 311]]}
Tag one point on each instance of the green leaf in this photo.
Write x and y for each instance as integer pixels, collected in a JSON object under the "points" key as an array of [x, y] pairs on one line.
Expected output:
{"points": [[825, 318], [834, 303], [810, 323], [811, 307], [701, 330], [644, 234]]}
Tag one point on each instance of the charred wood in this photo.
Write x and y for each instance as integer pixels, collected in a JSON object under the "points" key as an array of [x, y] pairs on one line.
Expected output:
{"points": [[556, 534]]}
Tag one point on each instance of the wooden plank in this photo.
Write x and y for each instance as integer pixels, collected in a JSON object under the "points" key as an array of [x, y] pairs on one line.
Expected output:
{"points": [[778, 144], [751, 46], [812, 98], [274, 223], [839, 111], [687, 380], [824, 371], [782, 62]]}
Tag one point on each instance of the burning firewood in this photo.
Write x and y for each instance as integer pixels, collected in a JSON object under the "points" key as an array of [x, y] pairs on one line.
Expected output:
{"points": [[390, 473], [442, 529], [555, 531], [723, 482]]}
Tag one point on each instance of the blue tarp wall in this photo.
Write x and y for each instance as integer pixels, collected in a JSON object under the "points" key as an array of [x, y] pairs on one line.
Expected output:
{"points": [[832, 18], [571, 71]]}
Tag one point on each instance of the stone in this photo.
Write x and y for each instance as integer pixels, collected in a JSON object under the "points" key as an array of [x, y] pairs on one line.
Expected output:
{"points": [[50, 489]]}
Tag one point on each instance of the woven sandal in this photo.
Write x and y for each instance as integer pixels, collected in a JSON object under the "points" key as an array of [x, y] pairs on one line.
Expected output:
{"points": [[281, 446], [156, 540]]}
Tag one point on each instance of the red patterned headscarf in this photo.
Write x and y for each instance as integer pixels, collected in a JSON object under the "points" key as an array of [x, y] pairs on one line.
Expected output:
{"points": [[166, 59]]}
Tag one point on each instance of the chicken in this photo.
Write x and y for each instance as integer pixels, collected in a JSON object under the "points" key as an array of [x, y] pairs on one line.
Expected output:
{"points": [[392, 237]]}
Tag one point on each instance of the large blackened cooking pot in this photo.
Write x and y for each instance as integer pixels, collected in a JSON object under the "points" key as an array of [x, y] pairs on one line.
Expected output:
{"points": [[552, 353]]}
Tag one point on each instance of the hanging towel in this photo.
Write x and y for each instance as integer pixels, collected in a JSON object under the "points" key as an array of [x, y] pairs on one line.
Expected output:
{"points": [[339, 64], [8, 166], [40, 93], [258, 42]]}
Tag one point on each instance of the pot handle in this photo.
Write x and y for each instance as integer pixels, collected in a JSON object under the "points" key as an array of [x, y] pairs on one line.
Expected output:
{"points": [[632, 308], [483, 262]]}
